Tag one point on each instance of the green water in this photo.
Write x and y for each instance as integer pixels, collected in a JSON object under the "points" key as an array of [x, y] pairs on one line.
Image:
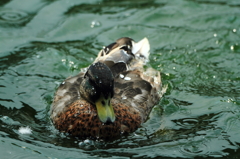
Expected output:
{"points": [[194, 43]]}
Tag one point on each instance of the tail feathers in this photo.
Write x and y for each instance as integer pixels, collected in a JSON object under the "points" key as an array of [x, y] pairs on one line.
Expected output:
{"points": [[141, 48], [153, 77]]}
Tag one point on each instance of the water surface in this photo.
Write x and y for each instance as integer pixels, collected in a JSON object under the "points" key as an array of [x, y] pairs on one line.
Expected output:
{"points": [[194, 43]]}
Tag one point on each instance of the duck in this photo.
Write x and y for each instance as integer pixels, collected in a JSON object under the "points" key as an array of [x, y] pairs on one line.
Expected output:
{"points": [[112, 97]]}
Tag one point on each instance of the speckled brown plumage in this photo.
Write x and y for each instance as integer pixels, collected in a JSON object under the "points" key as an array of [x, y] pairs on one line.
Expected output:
{"points": [[80, 119], [136, 91]]}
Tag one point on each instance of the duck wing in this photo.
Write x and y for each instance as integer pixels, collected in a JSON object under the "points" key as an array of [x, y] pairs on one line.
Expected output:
{"points": [[134, 89]]}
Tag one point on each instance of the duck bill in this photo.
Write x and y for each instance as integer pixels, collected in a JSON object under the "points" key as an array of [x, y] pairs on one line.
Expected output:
{"points": [[105, 110]]}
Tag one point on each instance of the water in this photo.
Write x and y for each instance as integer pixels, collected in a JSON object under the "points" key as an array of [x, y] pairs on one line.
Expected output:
{"points": [[194, 43]]}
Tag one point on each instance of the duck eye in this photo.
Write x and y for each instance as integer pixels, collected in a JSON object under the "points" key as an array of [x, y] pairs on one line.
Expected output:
{"points": [[103, 102]]}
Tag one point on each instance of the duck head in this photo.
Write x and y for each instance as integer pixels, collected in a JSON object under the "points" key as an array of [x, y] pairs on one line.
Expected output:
{"points": [[97, 88]]}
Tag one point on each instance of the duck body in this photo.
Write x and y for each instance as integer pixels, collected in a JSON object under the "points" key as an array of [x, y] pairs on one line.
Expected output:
{"points": [[113, 97]]}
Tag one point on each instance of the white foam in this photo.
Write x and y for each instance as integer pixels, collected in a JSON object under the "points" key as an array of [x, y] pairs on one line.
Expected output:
{"points": [[25, 130]]}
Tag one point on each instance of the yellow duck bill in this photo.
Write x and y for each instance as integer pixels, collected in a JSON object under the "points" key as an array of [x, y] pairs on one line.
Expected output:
{"points": [[105, 110]]}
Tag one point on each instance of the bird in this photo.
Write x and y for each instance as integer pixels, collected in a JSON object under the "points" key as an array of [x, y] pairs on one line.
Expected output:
{"points": [[113, 97]]}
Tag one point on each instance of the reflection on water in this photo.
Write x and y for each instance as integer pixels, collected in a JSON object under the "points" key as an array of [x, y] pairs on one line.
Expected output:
{"points": [[195, 44]]}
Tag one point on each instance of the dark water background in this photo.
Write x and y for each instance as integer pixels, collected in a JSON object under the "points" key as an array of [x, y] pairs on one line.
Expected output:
{"points": [[194, 43]]}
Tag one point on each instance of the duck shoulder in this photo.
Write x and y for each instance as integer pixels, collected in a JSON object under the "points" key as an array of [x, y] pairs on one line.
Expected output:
{"points": [[67, 92]]}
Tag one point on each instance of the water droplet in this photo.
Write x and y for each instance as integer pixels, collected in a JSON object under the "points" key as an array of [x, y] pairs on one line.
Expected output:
{"points": [[5, 117], [95, 24], [81, 144], [87, 141], [63, 82], [121, 76], [127, 78], [234, 30], [232, 47], [215, 35], [107, 49], [124, 97]]}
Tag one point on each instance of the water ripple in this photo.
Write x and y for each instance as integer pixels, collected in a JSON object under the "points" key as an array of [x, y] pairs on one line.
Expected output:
{"points": [[9, 17], [194, 148], [188, 122]]}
